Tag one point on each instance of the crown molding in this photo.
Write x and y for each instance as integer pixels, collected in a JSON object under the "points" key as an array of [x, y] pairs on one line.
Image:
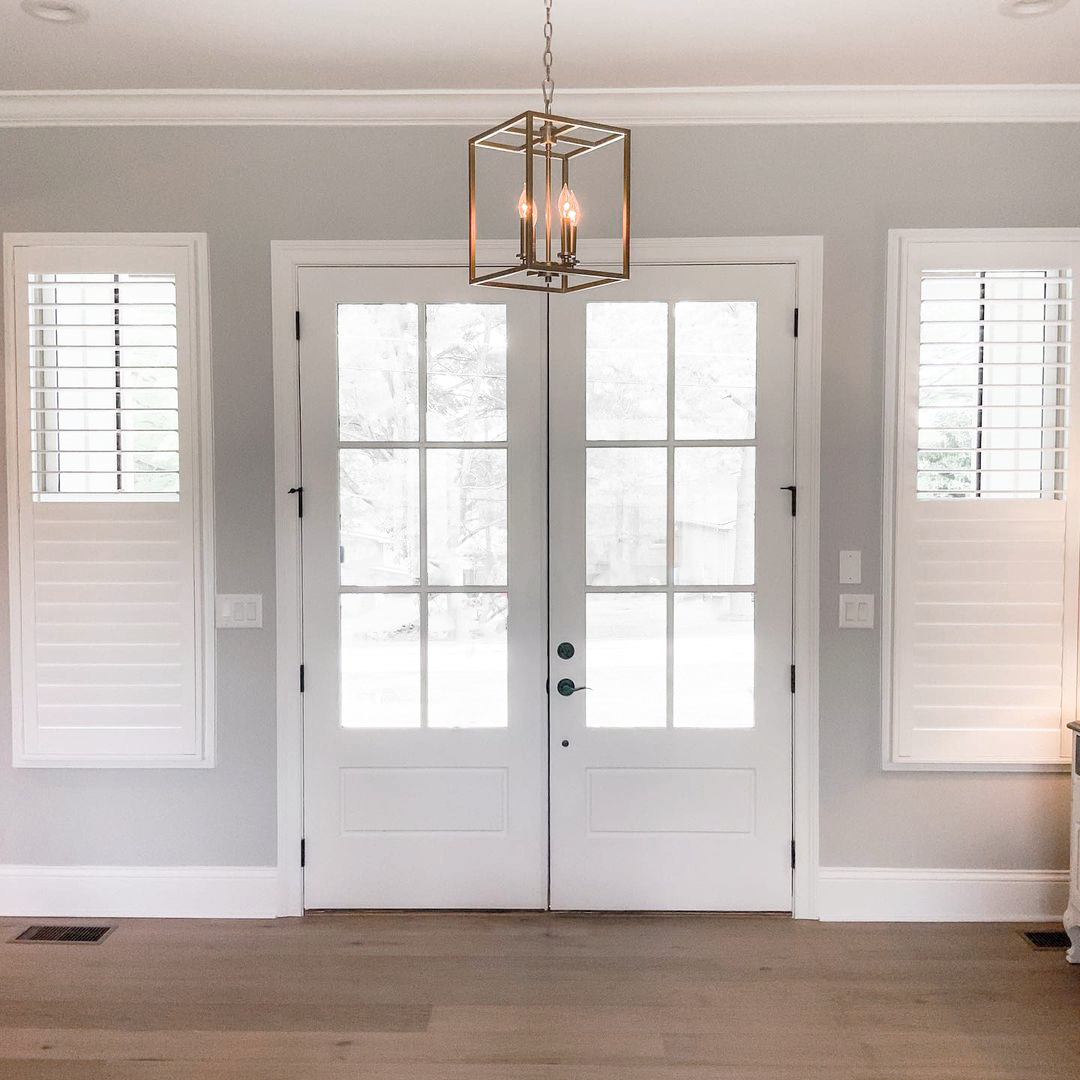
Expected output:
{"points": [[1059, 103]]}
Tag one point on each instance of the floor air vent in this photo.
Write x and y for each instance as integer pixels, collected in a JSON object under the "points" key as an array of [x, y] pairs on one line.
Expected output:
{"points": [[83, 935], [1047, 939]]}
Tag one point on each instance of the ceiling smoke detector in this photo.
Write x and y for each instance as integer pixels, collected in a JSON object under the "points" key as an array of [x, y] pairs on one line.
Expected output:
{"points": [[1029, 9], [56, 11]]}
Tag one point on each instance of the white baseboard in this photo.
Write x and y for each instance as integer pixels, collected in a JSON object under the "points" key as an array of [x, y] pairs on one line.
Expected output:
{"points": [[180, 892], [898, 894], [845, 893]]}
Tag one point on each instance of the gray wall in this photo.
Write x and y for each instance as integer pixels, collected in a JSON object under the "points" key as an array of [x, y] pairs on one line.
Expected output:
{"points": [[248, 186]]}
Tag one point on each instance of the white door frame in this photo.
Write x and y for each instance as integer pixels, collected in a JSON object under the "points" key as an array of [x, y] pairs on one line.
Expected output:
{"points": [[289, 257]]}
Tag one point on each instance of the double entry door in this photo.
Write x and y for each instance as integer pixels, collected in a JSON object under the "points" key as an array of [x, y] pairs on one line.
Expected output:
{"points": [[547, 590]]}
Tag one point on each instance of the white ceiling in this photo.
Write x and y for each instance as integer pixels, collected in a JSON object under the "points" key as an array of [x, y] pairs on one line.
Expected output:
{"points": [[496, 44]]}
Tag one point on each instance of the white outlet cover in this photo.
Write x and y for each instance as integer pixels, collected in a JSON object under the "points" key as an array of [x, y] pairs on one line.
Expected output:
{"points": [[850, 567]]}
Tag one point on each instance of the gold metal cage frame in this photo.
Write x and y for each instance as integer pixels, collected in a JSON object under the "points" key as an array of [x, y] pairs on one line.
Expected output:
{"points": [[540, 139]]}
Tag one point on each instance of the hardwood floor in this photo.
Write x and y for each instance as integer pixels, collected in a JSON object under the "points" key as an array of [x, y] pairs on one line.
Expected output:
{"points": [[537, 997]]}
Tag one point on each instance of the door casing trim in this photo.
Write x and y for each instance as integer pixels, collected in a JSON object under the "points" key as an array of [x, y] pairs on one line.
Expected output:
{"points": [[289, 257]]}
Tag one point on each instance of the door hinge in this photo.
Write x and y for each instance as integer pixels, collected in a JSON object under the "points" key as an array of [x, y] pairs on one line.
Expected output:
{"points": [[302, 678], [299, 493], [794, 496], [794, 325], [793, 678], [303, 852], [298, 326], [792, 854]]}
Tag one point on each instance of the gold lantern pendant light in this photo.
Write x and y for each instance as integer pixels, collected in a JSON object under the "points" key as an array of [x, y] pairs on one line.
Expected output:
{"points": [[549, 214]]}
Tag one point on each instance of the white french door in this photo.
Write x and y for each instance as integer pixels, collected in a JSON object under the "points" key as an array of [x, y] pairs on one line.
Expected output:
{"points": [[423, 592], [671, 592], [452, 567]]}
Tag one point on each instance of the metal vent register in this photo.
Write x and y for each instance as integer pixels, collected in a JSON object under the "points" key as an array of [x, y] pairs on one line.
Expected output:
{"points": [[1047, 939], [76, 935]]}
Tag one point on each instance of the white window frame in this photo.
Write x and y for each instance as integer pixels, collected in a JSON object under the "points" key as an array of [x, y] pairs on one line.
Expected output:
{"points": [[911, 251], [187, 254]]}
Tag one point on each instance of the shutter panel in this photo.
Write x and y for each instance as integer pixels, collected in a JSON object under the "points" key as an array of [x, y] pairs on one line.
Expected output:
{"points": [[114, 629], [111, 564], [983, 602]]}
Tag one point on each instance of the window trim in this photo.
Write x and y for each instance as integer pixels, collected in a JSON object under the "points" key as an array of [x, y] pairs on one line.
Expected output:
{"points": [[192, 248], [904, 247]]}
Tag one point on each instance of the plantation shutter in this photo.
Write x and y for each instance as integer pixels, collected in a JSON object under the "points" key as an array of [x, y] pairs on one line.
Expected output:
{"points": [[983, 597], [110, 566]]}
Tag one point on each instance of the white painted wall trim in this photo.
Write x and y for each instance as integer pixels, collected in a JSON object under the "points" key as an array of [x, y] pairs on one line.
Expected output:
{"points": [[180, 892], [897, 894], [638, 106], [286, 260], [810, 259], [287, 257]]}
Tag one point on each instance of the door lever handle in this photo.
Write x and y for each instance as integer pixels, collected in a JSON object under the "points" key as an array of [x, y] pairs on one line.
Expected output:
{"points": [[566, 687]]}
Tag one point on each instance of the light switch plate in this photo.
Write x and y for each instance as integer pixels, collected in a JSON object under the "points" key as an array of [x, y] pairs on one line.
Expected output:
{"points": [[850, 567], [856, 611], [239, 611]]}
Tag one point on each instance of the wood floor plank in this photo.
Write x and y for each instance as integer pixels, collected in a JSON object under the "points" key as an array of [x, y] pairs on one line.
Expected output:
{"points": [[185, 1070], [154, 1014], [495, 1048], [687, 1020]]}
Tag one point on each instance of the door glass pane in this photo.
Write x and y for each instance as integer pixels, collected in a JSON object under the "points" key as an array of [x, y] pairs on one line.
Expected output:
{"points": [[715, 370], [714, 660], [466, 372], [626, 366], [466, 523], [467, 660], [378, 366], [714, 515], [380, 517], [626, 516], [380, 660], [626, 660]]}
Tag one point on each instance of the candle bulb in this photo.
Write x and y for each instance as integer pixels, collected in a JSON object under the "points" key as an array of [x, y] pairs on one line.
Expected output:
{"points": [[526, 211], [570, 217]]}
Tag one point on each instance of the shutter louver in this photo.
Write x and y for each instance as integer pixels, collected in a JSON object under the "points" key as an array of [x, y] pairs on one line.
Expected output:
{"points": [[113, 665], [103, 407], [984, 585], [993, 384]]}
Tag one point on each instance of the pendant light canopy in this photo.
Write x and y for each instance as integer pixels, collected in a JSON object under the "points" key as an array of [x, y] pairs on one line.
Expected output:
{"points": [[524, 173]]}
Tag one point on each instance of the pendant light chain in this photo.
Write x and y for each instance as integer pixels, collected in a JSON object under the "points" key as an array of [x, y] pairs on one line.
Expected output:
{"points": [[548, 85]]}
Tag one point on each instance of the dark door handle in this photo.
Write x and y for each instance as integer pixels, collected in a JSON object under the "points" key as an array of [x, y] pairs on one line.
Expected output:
{"points": [[566, 687]]}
